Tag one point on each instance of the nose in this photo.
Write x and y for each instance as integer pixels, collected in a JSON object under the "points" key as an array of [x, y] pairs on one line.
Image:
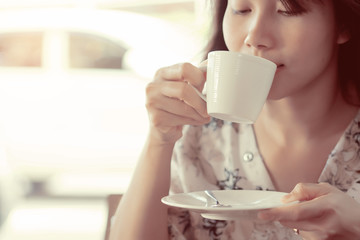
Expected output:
{"points": [[260, 34]]}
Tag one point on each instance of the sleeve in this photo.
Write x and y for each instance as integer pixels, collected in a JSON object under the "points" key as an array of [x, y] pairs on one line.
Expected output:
{"points": [[354, 190]]}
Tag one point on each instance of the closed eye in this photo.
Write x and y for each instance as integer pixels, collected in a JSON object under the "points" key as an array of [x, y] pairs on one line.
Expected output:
{"points": [[289, 13], [241, 12]]}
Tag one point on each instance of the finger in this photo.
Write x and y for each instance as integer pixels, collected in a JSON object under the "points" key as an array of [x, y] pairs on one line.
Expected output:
{"points": [[297, 212], [313, 235], [309, 226], [182, 72], [307, 191], [302, 225], [163, 119], [322, 222], [203, 66], [184, 92], [315, 228], [176, 107]]}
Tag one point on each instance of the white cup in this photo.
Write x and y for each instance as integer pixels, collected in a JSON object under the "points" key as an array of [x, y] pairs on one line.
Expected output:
{"points": [[237, 85]]}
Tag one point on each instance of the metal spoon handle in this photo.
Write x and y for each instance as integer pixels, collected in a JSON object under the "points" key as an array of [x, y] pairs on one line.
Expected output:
{"points": [[210, 194]]}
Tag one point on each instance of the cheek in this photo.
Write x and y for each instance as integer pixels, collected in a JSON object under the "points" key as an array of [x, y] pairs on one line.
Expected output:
{"points": [[228, 31], [307, 60], [312, 47], [232, 33], [312, 39]]}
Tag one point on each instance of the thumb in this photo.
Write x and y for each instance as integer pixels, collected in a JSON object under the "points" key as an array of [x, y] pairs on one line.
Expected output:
{"points": [[203, 66], [307, 191]]}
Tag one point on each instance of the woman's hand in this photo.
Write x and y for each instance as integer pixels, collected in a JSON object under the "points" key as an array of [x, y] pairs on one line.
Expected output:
{"points": [[172, 102], [324, 212]]}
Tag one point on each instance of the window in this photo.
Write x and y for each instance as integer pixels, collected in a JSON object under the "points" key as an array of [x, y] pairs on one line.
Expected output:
{"points": [[90, 51], [21, 49], [70, 138]]}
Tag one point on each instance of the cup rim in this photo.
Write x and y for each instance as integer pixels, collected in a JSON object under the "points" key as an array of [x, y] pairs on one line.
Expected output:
{"points": [[246, 56]]}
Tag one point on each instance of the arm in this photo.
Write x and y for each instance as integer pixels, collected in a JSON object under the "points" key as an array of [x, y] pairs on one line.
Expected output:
{"points": [[324, 212], [140, 214], [171, 103]]}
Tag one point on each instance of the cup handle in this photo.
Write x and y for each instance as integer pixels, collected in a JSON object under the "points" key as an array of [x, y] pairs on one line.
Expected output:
{"points": [[203, 68], [198, 92]]}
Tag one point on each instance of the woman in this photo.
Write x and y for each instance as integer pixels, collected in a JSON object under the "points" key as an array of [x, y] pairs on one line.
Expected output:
{"points": [[311, 149]]}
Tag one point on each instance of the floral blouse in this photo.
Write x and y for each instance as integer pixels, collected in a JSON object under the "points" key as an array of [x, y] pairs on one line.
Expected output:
{"points": [[224, 155]]}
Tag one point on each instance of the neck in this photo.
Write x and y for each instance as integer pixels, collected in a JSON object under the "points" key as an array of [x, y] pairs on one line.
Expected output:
{"points": [[314, 116], [317, 111]]}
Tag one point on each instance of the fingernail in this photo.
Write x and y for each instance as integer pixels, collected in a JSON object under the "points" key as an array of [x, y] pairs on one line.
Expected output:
{"points": [[265, 215], [287, 198], [207, 118]]}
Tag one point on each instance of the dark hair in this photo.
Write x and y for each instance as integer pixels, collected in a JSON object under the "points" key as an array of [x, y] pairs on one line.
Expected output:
{"points": [[347, 13]]}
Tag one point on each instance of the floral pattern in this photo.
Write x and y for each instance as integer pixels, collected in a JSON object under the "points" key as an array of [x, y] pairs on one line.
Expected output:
{"points": [[213, 157], [214, 227], [231, 180]]}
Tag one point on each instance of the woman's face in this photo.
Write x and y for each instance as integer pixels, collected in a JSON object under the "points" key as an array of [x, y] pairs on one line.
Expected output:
{"points": [[302, 45]]}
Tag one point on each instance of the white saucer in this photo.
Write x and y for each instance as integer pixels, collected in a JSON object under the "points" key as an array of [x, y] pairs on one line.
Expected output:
{"points": [[244, 203]]}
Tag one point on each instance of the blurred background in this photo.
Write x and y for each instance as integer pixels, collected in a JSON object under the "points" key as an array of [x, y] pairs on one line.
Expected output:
{"points": [[72, 104]]}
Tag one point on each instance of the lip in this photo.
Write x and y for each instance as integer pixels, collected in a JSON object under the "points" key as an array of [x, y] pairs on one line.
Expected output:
{"points": [[279, 67]]}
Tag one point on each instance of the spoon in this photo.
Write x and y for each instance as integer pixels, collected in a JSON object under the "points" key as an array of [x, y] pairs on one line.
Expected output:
{"points": [[217, 203]]}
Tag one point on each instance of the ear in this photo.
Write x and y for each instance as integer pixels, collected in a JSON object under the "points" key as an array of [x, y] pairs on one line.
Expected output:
{"points": [[344, 36]]}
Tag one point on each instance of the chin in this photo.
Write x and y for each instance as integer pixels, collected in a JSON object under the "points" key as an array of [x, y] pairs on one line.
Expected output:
{"points": [[275, 93]]}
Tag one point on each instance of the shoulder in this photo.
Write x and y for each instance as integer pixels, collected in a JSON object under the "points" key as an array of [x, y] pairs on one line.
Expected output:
{"points": [[352, 133]]}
